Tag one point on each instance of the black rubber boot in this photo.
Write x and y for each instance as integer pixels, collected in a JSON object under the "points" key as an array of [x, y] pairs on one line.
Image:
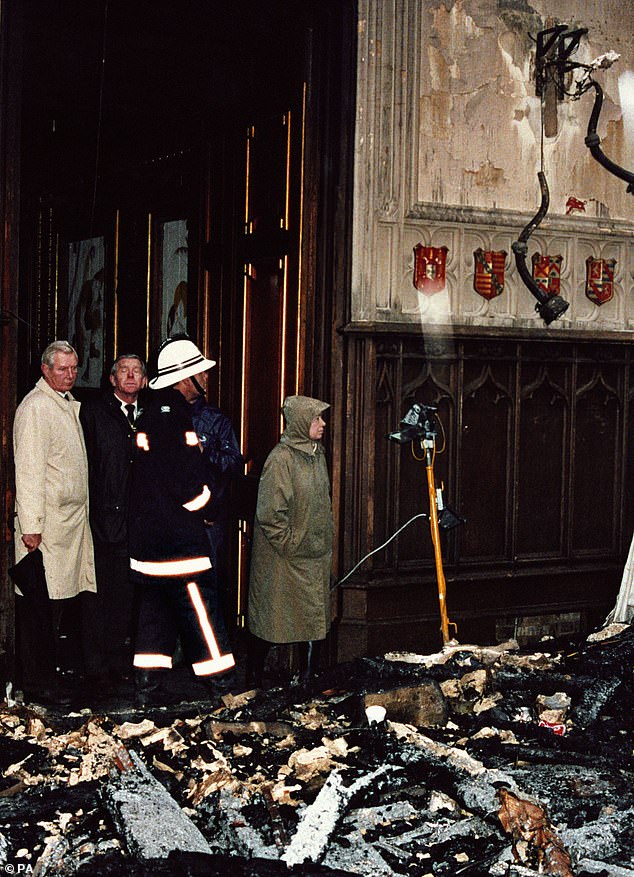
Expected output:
{"points": [[219, 684], [148, 688], [257, 650]]}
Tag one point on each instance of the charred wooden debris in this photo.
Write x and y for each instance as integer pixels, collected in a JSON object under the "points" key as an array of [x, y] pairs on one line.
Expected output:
{"points": [[488, 761]]}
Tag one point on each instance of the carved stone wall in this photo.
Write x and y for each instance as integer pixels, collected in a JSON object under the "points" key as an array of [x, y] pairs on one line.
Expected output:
{"points": [[449, 141]]}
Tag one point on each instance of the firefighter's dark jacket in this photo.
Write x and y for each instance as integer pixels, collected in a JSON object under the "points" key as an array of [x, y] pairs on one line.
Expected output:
{"points": [[110, 449], [167, 473]]}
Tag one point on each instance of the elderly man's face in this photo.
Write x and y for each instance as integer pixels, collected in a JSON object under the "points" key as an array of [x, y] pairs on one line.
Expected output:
{"points": [[128, 379], [62, 374]]}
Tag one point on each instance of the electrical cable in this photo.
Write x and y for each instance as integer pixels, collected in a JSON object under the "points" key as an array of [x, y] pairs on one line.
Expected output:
{"points": [[418, 459], [374, 551], [541, 123], [444, 438]]}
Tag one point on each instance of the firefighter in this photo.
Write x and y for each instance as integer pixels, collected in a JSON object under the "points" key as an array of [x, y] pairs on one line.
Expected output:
{"points": [[169, 551]]}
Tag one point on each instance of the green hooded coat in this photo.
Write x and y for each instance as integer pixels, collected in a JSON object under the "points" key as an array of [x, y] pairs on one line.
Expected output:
{"points": [[289, 587]]}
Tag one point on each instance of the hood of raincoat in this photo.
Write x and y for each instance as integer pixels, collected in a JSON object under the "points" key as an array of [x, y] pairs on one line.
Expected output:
{"points": [[299, 412]]}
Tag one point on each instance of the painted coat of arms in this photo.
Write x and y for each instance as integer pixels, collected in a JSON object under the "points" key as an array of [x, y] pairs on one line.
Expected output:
{"points": [[547, 272], [488, 277], [430, 265], [600, 279]]}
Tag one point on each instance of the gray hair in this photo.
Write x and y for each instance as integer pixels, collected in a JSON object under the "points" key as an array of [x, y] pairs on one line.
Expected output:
{"points": [[48, 356], [121, 356]]}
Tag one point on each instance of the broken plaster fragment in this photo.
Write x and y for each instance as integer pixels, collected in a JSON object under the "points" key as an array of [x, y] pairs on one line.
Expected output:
{"points": [[451, 688], [475, 681], [36, 728], [503, 734], [170, 738], [314, 718], [338, 748], [282, 794], [558, 701], [608, 632], [306, 763], [440, 801], [235, 701], [487, 703], [128, 730]]}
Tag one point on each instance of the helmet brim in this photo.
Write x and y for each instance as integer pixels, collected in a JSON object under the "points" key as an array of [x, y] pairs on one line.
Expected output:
{"points": [[173, 377]]}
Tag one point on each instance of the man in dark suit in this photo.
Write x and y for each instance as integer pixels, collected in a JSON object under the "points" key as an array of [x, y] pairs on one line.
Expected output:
{"points": [[109, 431]]}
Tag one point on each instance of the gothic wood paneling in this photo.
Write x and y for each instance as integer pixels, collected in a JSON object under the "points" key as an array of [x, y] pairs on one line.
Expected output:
{"points": [[536, 438]]}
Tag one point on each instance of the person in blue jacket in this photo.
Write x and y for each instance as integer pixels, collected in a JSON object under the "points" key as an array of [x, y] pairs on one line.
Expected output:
{"points": [[223, 461]]}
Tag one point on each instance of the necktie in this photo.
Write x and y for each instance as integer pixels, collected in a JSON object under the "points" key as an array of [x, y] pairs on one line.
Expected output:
{"points": [[130, 410], [67, 397]]}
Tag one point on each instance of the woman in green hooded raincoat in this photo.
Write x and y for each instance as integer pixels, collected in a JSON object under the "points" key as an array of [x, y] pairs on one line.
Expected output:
{"points": [[289, 586]]}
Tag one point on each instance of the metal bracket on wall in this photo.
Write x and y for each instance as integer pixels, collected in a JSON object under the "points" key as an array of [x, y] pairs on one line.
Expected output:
{"points": [[555, 45]]}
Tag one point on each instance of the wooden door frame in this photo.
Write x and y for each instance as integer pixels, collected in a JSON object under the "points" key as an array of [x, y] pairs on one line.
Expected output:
{"points": [[11, 25], [326, 221]]}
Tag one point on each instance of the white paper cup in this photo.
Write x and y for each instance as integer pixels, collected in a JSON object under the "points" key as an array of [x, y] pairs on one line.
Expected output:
{"points": [[375, 713]]}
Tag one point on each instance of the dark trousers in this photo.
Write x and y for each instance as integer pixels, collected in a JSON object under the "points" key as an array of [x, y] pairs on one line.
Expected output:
{"points": [[216, 533], [52, 634], [167, 610], [36, 642], [115, 607]]}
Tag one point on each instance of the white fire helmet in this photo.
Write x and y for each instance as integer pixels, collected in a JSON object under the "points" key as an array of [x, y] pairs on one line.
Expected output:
{"points": [[178, 358]]}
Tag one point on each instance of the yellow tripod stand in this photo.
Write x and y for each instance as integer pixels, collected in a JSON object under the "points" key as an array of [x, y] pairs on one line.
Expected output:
{"points": [[429, 445], [418, 427]]}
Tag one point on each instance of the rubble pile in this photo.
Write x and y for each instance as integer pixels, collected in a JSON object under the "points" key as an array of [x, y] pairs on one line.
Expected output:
{"points": [[482, 761]]}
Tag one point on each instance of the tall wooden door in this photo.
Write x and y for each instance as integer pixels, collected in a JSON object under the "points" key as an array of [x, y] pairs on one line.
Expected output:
{"points": [[271, 332]]}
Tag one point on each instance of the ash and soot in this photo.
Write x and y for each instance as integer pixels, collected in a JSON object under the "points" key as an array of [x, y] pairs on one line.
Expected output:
{"points": [[479, 761]]}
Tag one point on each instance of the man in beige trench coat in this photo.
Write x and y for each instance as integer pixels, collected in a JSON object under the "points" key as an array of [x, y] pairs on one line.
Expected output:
{"points": [[51, 483]]}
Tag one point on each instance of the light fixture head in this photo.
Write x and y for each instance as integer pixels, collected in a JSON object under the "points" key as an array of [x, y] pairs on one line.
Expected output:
{"points": [[552, 308]]}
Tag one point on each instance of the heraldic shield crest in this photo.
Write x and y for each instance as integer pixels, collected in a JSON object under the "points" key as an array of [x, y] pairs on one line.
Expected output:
{"points": [[430, 268], [547, 272], [600, 279], [488, 278]]}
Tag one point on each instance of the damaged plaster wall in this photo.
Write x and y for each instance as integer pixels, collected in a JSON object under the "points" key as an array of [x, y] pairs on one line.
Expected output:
{"points": [[448, 147], [479, 122]]}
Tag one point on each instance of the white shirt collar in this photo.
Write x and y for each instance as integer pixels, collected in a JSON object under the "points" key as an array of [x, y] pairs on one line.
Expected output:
{"points": [[123, 405]]}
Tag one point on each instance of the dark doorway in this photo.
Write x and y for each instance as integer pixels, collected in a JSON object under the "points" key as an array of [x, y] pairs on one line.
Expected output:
{"points": [[230, 125]]}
